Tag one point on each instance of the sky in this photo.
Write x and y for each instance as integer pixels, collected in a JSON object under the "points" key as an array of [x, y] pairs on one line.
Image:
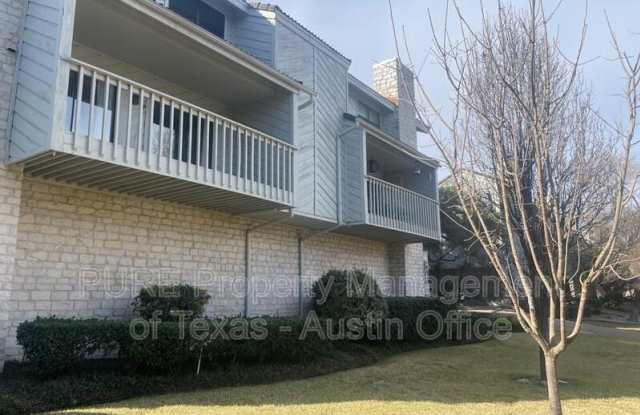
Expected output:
{"points": [[362, 31]]}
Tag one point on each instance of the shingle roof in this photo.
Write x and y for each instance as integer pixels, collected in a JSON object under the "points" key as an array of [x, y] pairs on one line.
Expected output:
{"points": [[272, 8]]}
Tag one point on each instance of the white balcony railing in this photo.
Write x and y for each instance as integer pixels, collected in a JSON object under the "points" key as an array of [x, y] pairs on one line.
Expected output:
{"points": [[394, 207], [112, 118]]}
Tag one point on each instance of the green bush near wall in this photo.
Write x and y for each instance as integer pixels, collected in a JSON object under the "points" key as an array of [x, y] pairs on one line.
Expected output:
{"points": [[166, 302], [409, 311], [343, 295], [55, 345], [238, 340]]}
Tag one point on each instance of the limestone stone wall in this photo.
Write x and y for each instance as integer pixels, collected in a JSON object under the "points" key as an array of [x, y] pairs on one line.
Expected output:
{"points": [[408, 269], [87, 253]]}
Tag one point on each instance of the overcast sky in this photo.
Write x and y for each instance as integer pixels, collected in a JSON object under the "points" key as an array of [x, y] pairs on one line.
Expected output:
{"points": [[361, 30]]}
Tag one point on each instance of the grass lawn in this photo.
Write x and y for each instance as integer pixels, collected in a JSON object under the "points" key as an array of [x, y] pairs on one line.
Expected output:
{"points": [[603, 374]]}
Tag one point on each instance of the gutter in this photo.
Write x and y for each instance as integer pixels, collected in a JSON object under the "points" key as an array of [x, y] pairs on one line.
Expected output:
{"points": [[247, 273]]}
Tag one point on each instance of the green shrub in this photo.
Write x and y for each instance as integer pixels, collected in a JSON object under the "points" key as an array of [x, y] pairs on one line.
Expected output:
{"points": [[408, 311], [54, 345], [279, 340], [348, 294], [166, 348], [166, 302], [239, 340]]}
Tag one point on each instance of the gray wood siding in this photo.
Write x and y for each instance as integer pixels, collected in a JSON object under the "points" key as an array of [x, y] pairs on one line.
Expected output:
{"points": [[254, 33], [38, 61], [331, 105], [271, 115], [352, 166], [319, 123], [295, 57], [388, 118]]}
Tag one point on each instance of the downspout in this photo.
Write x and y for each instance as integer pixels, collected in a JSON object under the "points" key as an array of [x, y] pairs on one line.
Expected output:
{"points": [[247, 274]]}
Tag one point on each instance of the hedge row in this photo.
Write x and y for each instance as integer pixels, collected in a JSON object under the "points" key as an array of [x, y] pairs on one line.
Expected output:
{"points": [[409, 311], [55, 346], [270, 340]]}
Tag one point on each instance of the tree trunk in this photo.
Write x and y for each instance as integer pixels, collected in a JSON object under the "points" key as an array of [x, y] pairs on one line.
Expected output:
{"points": [[542, 313], [555, 406]]}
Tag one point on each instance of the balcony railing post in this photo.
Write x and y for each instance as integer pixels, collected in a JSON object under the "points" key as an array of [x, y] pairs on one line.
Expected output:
{"points": [[172, 137], [291, 176], [254, 162], [92, 109], [214, 164], [76, 122], [116, 126], [224, 152], [127, 142], [245, 151], [190, 143], [198, 145], [161, 139], [140, 125], [207, 150], [105, 101]]}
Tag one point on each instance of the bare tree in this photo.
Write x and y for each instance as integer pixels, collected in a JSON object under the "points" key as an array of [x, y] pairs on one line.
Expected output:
{"points": [[523, 115]]}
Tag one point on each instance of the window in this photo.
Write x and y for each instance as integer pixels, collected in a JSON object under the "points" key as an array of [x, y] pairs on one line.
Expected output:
{"points": [[369, 114], [201, 14]]}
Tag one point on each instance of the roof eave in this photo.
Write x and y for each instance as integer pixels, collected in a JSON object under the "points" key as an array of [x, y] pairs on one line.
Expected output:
{"points": [[221, 46], [370, 92], [394, 142]]}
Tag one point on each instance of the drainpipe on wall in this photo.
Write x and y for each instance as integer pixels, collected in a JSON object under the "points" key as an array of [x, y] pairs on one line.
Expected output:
{"points": [[247, 274], [339, 224]]}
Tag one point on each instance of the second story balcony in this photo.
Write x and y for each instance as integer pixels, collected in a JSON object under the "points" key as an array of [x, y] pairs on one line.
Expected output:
{"points": [[389, 190], [128, 96]]}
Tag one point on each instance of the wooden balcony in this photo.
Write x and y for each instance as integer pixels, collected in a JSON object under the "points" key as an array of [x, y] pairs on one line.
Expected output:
{"points": [[395, 208], [388, 190], [120, 135]]}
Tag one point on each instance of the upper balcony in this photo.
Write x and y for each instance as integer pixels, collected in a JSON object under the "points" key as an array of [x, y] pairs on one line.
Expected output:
{"points": [[389, 190], [128, 96]]}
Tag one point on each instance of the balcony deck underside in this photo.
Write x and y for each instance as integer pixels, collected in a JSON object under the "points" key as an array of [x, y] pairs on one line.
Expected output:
{"points": [[382, 234], [105, 176]]}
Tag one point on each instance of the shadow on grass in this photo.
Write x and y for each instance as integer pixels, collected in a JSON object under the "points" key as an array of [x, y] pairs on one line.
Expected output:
{"points": [[596, 367]]}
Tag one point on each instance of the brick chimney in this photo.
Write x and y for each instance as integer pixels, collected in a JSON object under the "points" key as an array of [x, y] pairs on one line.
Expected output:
{"points": [[395, 81]]}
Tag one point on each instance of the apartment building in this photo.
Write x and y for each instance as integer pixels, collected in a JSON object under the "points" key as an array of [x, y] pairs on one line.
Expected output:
{"points": [[215, 142]]}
